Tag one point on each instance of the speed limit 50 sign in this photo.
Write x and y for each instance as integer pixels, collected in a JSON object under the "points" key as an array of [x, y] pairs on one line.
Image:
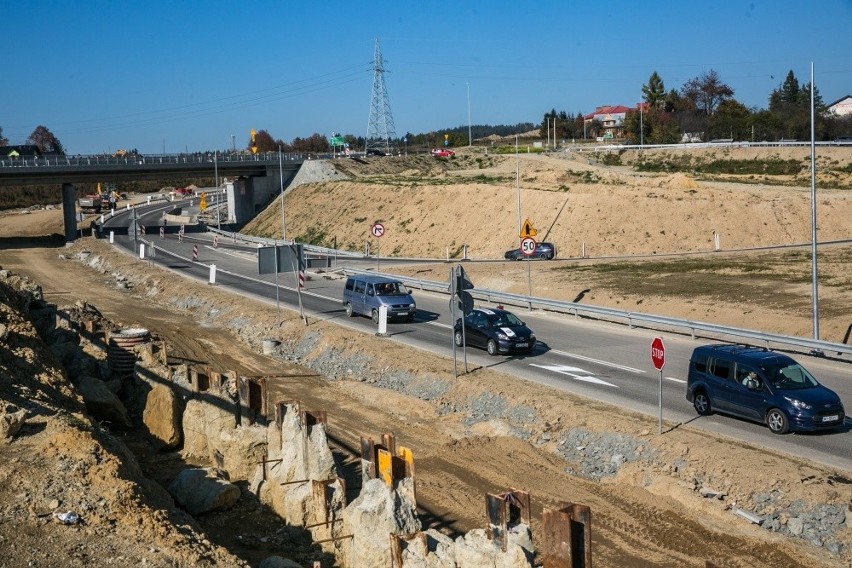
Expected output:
{"points": [[528, 245]]}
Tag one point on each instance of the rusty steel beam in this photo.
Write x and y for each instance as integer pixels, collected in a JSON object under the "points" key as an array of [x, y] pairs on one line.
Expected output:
{"points": [[567, 536]]}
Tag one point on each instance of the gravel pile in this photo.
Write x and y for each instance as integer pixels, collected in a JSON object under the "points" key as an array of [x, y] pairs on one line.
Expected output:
{"points": [[816, 524], [489, 406], [596, 456]]}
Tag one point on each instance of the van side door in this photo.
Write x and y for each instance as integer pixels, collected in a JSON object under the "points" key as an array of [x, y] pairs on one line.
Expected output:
{"points": [[721, 382], [358, 297], [370, 301], [747, 402]]}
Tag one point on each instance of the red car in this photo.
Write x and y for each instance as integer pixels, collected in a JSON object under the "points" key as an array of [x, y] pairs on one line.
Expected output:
{"points": [[442, 153]]}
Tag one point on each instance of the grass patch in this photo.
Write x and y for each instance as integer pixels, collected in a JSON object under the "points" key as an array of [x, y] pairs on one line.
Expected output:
{"points": [[313, 236]]}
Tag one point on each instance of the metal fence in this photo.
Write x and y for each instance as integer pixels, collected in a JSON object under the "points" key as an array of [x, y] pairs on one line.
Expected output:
{"points": [[142, 160], [631, 319]]}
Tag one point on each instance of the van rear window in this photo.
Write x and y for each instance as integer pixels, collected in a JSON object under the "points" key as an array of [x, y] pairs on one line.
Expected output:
{"points": [[350, 284], [700, 365]]}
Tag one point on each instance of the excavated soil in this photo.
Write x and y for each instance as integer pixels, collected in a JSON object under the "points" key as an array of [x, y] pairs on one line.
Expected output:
{"points": [[649, 514]]}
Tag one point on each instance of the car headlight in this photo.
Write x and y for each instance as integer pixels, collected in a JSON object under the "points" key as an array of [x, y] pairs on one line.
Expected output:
{"points": [[412, 306], [798, 403], [502, 336]]}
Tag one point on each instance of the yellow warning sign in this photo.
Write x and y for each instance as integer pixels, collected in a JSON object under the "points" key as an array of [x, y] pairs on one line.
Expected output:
{"points": [[203, 203], [527, 230]]}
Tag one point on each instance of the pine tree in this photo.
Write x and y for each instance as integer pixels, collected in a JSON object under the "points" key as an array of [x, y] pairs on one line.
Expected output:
{"points": [[655, 91]]}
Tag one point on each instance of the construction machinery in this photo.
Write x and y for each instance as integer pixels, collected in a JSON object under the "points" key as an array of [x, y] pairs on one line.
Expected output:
{"points": [[97, 202]]}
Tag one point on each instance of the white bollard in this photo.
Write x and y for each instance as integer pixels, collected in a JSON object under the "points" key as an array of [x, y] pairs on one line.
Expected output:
{"points": [[102, 218], [128, 207], [149, 200], [383, 320], [111, 237], [212, 274], [142, 251]]}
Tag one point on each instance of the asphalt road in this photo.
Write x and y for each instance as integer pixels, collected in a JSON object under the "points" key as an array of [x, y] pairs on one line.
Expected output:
{"points": [[603, 361]]}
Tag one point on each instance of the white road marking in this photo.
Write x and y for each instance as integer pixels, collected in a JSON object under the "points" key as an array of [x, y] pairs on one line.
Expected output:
{"points": [[598, 361], [675, 379], [572, 372]]}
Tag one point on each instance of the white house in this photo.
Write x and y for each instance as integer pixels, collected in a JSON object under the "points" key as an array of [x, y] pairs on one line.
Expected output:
{"points": [[841, 107]]}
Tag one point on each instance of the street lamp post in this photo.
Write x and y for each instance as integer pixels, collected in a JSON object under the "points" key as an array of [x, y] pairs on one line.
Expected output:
{"points": [[281, 174], [814, 273], [469, 130], [518, 182]]}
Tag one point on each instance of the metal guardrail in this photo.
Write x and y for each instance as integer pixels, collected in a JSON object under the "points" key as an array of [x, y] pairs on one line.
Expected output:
{"points": [[632, 319], [142, 160], [272, 242]]}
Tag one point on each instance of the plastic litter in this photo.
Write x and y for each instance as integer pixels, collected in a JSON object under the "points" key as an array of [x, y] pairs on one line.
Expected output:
{"points": [[68, 518]]}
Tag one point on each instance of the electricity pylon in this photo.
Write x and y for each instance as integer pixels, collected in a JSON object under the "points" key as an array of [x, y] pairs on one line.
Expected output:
{"points": [[381, 132]]}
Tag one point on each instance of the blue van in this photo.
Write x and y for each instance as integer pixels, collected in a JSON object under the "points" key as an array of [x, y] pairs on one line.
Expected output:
{"points": [[364, 294], [762, 386]]}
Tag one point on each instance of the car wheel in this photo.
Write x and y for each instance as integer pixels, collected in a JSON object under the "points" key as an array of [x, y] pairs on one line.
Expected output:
{"points": [[349, 311], [410, 318], [777, 421], [375, 315], [492, 347], [543, 256], [701, 402], [458, 339]]}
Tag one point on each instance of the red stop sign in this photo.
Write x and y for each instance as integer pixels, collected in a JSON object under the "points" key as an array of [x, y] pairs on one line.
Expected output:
{"points": [[658, 353]]}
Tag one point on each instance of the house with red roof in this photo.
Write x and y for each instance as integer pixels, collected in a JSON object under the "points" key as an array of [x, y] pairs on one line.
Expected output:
{"points": [[610, 118]]}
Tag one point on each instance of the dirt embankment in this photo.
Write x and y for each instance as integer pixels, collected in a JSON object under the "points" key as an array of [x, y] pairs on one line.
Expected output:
{"points": [[484, 432]]}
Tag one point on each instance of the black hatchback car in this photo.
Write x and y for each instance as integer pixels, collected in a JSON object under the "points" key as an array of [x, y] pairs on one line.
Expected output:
{"points": [[543, 251], [495, 330]]}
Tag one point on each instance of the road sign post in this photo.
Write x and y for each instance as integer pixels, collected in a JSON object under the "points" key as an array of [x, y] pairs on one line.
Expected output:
{"points": [[658, 358], [377, 230]]}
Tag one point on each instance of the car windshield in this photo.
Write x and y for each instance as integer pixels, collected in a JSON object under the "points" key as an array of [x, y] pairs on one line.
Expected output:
{"points": [[505, 320], [391, 289], [790, 377]]}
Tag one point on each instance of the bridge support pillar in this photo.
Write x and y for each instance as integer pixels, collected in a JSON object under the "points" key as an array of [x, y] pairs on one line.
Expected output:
{"points": [[69, 212]]}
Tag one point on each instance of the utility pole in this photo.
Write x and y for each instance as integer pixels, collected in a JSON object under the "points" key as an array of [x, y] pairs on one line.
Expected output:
{"points": [[469, 131], [518, 182]]}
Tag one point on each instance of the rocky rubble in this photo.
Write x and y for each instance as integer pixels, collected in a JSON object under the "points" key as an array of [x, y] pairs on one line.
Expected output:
{"points": [[587, 454]]}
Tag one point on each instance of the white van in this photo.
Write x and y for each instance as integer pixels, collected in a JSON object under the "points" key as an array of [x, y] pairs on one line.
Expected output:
{"points": [[364, 294]]}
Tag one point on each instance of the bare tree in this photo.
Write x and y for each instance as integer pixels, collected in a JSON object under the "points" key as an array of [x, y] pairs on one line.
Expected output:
{"points": [[3, 141], [45, 140], [707, 92], [264, 142]]}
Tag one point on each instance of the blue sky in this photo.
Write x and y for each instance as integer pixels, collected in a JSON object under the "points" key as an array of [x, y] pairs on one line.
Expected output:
{"points": [[180, 76]]}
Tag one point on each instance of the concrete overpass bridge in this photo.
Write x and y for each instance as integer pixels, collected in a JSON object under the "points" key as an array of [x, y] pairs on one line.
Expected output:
{"points": [[257, 177]]}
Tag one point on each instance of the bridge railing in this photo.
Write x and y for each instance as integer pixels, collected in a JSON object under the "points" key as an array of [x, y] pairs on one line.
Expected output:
{"points": [[141, 160], [632, 319]]}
